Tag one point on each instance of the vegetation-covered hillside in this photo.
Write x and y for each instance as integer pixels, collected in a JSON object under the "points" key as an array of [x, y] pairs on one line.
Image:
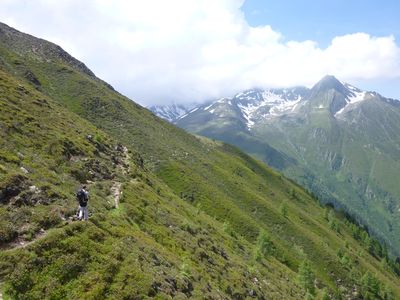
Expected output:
{"points": [[172, 215], [340, 142]]}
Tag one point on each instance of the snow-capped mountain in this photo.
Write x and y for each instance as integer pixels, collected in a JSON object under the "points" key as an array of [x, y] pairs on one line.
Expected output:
{"points": [[253, 104], [172, 112], [354, 96], [257, 105], [341, 142]]}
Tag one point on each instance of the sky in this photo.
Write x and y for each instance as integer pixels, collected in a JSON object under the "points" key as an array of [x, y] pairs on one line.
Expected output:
{"points": [[184, 51]]}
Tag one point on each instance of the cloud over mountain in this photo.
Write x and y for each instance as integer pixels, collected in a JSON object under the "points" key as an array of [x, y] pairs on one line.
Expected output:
{"points": [[188, 50]]}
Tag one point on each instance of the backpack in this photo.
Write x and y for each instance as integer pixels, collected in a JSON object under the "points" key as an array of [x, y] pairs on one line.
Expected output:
{"points": [[82, 198]]}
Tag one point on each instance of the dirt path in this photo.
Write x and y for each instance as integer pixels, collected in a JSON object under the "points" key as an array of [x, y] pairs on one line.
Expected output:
{"points": [[125, 169], [20, 242], [125, 166], [116, 193]]}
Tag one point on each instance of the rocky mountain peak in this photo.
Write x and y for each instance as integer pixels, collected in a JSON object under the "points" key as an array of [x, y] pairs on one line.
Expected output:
{"points": [[27, 45], [327, 83]]}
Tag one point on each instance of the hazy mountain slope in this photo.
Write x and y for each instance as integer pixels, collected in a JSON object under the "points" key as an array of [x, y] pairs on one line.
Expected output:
{"points": [[224, 119], [172, 112], [352, 148], [339, 141], [190, 222]]}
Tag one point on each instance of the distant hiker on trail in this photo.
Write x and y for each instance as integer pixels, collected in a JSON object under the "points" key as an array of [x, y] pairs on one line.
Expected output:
{"points": [[83, 197]]}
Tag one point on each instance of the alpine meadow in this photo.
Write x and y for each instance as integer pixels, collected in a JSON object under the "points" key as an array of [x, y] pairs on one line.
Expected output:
{"points": [[338, 141], [176, 215]]}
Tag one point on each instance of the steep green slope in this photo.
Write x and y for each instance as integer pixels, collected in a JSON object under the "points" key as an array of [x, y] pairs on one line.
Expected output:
{"points": [[154, 243], [352, 158], [200, 219], [345, 152]]}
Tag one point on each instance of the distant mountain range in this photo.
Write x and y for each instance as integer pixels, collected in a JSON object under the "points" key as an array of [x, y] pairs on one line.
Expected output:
{"points": [[339, 141], [172, 112]]}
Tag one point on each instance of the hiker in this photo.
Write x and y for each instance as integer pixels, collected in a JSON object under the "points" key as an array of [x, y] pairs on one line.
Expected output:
{"points": [[83, 196]]}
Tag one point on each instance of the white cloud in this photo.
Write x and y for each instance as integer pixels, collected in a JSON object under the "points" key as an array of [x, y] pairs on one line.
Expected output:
{"points": [[191, 50]]}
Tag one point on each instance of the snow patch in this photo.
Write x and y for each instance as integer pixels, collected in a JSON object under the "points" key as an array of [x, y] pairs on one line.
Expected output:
{"points": [[351, 88], [247, 115], [181, 117], [250, 102], [208, 107], [284, 107], [355, 97]]}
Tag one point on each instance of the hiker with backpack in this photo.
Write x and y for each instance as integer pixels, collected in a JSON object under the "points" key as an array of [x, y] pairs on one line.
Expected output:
{"points": [[83, 197]]}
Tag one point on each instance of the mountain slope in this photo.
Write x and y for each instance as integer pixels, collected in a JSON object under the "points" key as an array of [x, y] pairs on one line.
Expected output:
{"points": [[340, 142], [154, 243], [349, 139], [172, 112], [197, 218]]}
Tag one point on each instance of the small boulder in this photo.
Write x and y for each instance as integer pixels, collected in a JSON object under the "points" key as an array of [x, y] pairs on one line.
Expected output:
{"points": [[24, 170], [12, 187]]}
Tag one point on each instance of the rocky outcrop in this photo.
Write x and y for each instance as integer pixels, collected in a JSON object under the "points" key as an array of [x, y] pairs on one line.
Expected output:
{"points": [[12, 187], [27, 45]]}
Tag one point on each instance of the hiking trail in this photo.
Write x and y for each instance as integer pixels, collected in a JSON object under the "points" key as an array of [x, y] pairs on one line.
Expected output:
{"points": [[116, 193], [125, 168], [20, 242]]}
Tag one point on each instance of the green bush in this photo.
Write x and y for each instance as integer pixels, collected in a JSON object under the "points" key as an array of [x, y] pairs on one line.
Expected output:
{"points": [[20, 282], [8, 231]]}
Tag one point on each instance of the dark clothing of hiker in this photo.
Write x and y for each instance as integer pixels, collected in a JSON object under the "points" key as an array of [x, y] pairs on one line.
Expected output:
{"points": [[83, 198]]}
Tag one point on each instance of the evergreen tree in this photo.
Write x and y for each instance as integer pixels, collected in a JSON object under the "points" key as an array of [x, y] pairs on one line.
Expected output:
{"points": [[370, 285], [340, 253], [325, 295], [284, 210], [331, 215], [387, 293], [345, 260], [326, 213], [385, 263], [293, 194], [306, 277], [333, 224], [264, 245], [385, 253], [309, 296]]}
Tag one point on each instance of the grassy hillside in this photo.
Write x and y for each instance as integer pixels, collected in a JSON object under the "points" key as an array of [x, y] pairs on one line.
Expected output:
{"points": [[353, 161], [195, 219], [347, 157], [154, 243]]}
